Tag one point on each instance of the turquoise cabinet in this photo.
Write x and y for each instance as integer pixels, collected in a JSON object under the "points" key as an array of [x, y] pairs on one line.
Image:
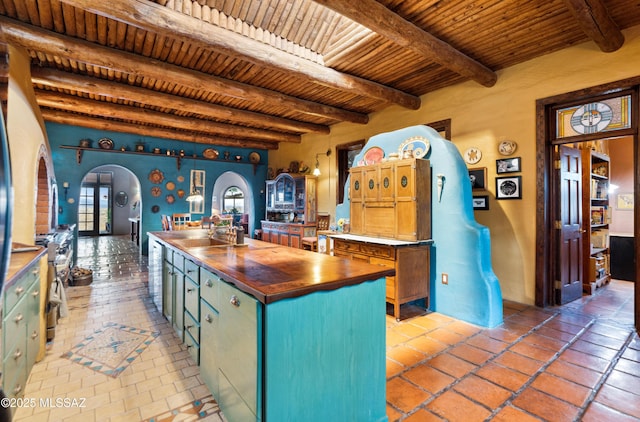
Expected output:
{"points": [[208, 354]]}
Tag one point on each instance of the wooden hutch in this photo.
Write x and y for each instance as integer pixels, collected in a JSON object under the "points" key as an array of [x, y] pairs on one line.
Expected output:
{"points": [[391, 225], [291, 208]]}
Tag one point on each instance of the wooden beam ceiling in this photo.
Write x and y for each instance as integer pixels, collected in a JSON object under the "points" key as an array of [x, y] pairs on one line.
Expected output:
{"points": [[158, 19], [383, 21], [592, 16]]}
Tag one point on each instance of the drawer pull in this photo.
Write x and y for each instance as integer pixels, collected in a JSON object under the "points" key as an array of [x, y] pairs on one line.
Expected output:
{"points": [[189, 290], [19, 291], [18, 318], [189, 346], [208, 318], [34, 335], [17, 354], [235, 301], [209, 283], [17, 390], [189, 271], [35, 271], [35, 293], [188, 327]]}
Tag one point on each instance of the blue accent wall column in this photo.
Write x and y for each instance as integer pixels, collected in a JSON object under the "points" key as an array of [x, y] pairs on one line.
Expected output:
{"points": [[462, 247]]}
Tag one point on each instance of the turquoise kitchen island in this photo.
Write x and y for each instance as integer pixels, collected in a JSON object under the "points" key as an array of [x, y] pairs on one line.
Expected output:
{"points": [[280, 334]]}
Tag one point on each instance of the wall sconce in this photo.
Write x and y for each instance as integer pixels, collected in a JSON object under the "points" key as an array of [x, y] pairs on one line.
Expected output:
{"points": [[65, 185], [316, 171]]}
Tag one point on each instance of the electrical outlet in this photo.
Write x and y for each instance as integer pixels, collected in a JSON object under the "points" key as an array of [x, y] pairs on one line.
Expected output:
{"points": [[445, 278]]}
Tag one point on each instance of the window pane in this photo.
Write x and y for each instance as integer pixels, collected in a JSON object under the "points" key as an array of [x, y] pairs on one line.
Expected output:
{"points": [[602, 116]]}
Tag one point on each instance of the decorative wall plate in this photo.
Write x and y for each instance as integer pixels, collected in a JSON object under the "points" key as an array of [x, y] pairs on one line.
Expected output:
{"points": [[105, 143], [156, 176], [210, 153], [170, 199], [180, 179], [156, 191], [254, 158], [507, 147], [472, 155], [170, 186], [180, 193], [155, 208], [419, 144], [373, 155]]}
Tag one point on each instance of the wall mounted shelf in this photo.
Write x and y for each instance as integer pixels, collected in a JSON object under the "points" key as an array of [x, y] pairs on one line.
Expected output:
{"points": [[80, 151]]}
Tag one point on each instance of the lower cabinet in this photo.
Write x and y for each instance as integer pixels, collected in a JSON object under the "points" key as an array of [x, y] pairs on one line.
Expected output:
{"points": [[20, 330], [287, 234]]}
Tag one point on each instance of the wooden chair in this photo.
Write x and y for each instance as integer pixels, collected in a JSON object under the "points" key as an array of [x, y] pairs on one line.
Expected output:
{"points": [[180, 220], [311, 242]]}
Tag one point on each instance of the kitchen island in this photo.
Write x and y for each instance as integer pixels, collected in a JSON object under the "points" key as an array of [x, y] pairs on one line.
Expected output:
{"points": [[279, 333]]}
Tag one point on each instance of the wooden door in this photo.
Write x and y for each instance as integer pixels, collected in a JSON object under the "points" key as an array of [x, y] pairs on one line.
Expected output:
{"points": [[568, 286], [371, 187]]}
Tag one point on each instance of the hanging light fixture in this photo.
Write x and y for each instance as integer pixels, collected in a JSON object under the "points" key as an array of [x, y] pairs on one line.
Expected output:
{"points": [[316, 171], [194, 194]]}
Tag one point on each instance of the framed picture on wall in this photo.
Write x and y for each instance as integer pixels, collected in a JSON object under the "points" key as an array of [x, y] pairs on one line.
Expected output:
{"points": [[509, 187], [481, 202], [478, 178], [196, 186], [624, 201], [508, 165]]}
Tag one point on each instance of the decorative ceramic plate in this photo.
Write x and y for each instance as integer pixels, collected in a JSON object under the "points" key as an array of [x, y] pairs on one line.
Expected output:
{"points": [[210, 153], [156, 191], [156, 176], [170, 199], [180, 179], [254, 158], [155, 208], [472, 155], [170, 186], [373, 155], [419, 144], [180, 193], [507, 147], [105, 143]]}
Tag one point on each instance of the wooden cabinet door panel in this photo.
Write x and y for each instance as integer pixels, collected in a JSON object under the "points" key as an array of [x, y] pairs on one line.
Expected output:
{"points": [[386, 185]]}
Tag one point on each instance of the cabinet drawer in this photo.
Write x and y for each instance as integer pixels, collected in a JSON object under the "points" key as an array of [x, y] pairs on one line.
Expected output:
{"points": [[192, 347], [341, 245], [191, 270], [19, 289], [232, 403], [209, 287], [295, 229], [15, 373], [382, 251], [15, 325], [178, 262], [192, 326], [192, 298]]}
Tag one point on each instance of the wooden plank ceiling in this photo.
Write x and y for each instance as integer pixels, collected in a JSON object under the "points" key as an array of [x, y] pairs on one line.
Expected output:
{"points": [[255, 73]]}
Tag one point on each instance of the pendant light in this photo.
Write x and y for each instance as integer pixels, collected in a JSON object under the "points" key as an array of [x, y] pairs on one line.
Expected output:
{"points": [[194, 195]]}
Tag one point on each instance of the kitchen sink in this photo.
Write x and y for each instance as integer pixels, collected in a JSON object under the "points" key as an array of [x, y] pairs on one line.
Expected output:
{"points": [[200, 242]]}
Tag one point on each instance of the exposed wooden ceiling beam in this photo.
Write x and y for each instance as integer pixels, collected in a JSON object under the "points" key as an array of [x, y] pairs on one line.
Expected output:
{"points": [[124, 112], [80, 120], [95, 86], [383, 21], [158, 19], [593, 18], [37, 39]]}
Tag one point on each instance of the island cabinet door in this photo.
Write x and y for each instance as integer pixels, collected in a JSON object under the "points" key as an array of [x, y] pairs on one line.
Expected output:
{"points": [[178, 304], [239, 355], [208, 346], [167, 290]]}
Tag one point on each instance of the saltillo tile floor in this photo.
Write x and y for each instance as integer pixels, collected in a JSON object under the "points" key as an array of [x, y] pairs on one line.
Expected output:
{"points": [[576, 362]]}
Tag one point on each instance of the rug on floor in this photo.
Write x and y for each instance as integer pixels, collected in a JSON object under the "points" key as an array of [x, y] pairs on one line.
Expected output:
{"points": [[111, 349], [197, 409]]}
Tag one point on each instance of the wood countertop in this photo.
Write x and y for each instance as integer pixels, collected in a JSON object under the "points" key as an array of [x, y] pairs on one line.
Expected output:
{"points": [[378, 240], [20, 261], [271, 272]]}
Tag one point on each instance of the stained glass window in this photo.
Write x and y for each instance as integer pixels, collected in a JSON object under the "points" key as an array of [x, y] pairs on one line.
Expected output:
{"points": [[602, 116]]}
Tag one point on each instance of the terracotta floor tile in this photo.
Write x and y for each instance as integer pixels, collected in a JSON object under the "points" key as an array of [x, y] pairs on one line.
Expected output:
{"points": [[405, 355], [446, 336], [513, 306], [403, 395], [471, 354], [393, 368], [394, 338], [564, 327], [561, 388], [483, 391], [452, 365], [626, 382], [429, 378], [464, 328], [632, 354], [620, 400], [543, 341], [545, 406], [502, 334], [585, 360], [519, 363], [427, 345], [393, 414], [409, 330], [532, 351], [505, 377], [454, 407], [628, 366], [426, 323], [423, 415], [522, 323], [597, 412], [575, 373], [555, 334], [442, 319], [511, 414], [609, 331], [574, 319], [602, 340], [486, 343]]}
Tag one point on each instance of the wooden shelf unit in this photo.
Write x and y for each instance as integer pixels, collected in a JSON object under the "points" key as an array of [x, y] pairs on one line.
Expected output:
{"points": [[595, 220]]}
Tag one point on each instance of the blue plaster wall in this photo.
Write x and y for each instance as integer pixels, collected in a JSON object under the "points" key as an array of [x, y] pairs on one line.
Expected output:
{"points": [[68, 170], [462, 247]]}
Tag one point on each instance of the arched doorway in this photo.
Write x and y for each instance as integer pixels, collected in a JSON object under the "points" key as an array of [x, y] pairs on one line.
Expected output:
{"points": [[231, 184]]}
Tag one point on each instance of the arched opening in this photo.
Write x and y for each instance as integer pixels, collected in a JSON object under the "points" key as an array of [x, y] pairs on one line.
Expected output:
{"points": [[45, 208], [232, 195]]}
